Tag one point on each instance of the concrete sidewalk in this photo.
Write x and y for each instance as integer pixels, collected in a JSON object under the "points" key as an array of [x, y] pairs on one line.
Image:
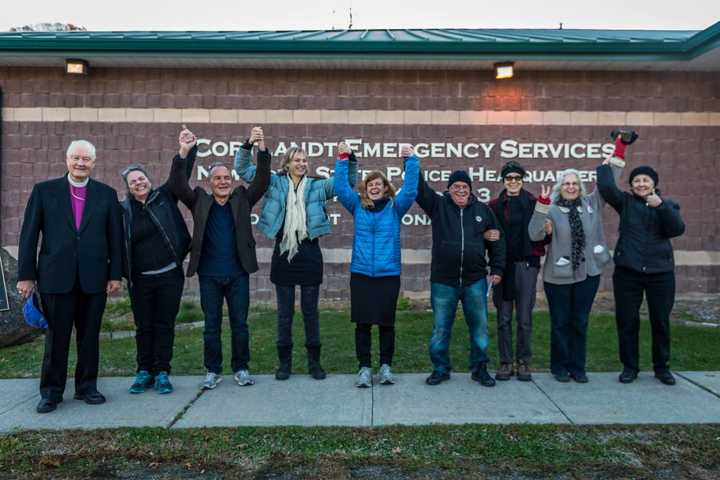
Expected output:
{"points": [[335, 401]]}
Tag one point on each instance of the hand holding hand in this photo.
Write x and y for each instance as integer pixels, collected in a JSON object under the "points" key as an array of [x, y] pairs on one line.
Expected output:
{"points": [[25, 287], [257, 136], [548, 227], [495, 279], [113, 286], [187, 141], [407, 151], [492, 235], [653, 200], [545, 191]]}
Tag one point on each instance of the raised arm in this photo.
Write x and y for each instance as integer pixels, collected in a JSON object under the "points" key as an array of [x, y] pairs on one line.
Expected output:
{"points": [[427, 198], [349, 199], [352, 173], [407, 194]]}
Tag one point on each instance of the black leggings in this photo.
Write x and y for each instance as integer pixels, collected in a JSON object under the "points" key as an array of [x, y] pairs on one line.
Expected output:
{"points": [[363, 341]]}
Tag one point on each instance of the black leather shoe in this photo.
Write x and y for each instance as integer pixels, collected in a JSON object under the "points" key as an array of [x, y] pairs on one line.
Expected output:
{"points": [[480, 374], [562, 377], [437, 378], [580, 377], [628, 376], [45, 406], [92, 398], [665, 377]]}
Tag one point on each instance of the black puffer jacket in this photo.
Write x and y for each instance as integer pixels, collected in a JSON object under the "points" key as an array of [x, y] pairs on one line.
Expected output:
{"points": [[645, 232], [459, 248], [161, 204]]}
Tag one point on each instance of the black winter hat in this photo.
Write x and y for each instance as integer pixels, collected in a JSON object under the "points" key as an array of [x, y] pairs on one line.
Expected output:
{"points": [[459, 176], [512, 167], [645, 170]]}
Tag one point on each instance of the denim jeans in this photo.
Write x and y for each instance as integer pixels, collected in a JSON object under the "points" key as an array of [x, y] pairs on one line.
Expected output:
{"points": [[569, 313], [309, 297], [236, 290], [444, 299]]}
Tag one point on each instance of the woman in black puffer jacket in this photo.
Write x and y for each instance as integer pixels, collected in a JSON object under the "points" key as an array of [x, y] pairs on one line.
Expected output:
{"points": [[643, 265]]}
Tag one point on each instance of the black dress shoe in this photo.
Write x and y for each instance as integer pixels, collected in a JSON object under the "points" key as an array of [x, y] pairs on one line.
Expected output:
{"points": [[481, 375], [562, 377], [45, 406], [437, 378], [665, 377], [92, 398], [628, 376], [580, 377]]}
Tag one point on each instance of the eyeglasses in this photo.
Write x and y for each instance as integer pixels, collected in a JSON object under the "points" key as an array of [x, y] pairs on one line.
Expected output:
{"points": [[513, 178]]}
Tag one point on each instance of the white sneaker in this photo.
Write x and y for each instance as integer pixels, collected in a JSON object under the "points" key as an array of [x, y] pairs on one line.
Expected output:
{"points": [[211, 381], [243, 378], [364, 378], [386, 375]]}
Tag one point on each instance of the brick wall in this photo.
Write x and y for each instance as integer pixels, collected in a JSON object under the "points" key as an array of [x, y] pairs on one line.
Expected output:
{"points": [[377, 106]]}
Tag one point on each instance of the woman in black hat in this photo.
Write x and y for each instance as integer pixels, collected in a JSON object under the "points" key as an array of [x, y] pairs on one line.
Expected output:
{"points": [[513, 208], [644, 265]]}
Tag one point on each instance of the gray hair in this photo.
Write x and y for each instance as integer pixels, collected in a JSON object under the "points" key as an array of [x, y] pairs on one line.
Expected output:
{"points": [[133, 168], [555, 195], [84, 144]]}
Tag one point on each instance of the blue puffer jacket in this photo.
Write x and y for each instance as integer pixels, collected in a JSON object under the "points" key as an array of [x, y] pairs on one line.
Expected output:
{"points": [[376, 243], [317, 192]]}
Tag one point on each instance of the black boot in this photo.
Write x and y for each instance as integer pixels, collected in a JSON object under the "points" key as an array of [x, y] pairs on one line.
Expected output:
{"points": [[314, 369], [285, 358]]}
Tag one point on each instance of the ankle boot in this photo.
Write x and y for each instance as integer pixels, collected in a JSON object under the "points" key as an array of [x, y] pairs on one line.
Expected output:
{"points": [[285, 358], [314, 369]]}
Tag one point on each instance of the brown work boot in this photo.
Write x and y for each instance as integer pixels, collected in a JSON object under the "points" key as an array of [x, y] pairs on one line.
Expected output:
{"points": [[504, 372], [523, 372]]}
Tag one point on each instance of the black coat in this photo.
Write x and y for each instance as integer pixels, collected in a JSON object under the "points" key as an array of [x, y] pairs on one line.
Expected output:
{"points": [[93, 251], [241, 201], [459, 248], [645, 232]]}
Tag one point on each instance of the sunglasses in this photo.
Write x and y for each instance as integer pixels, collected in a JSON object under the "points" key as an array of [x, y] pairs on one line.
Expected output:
{"points": [[513, 178]]}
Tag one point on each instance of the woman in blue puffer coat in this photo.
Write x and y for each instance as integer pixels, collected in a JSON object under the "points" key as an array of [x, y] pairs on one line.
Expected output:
{"points": [[375, 267], [294, 214]]}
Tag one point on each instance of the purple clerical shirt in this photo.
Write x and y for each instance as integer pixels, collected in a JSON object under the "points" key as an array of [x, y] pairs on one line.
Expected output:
{"points": [[77, 197]]}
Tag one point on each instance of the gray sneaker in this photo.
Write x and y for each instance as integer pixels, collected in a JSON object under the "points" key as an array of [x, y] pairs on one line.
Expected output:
{"points": [[386, 375], [364, 378], [243, 378], [211, 381]]}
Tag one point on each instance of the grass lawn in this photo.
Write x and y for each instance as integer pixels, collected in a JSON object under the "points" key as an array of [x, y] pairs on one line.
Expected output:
{"points": [[693, 348], [517, 452]]}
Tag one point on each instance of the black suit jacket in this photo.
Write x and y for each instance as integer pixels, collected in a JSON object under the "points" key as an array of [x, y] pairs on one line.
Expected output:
{"points": [[93, 252]]}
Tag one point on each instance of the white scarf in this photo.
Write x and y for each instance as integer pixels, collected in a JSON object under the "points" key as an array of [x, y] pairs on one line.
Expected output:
{"points": [[295, 229]]}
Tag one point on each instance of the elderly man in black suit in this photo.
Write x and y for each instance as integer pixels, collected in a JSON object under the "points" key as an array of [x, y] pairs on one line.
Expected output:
{"points": [[78, 265]]}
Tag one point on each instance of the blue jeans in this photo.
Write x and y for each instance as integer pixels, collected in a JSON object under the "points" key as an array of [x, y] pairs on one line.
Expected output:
{"points": [[444, 299], [236, 290]]}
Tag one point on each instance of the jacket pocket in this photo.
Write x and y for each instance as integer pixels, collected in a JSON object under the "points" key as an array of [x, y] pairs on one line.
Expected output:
{"points": [[562, 267]]}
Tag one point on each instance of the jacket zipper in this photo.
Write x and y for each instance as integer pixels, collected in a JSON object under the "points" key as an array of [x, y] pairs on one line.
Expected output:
{"points": [[462, 245], [162, 230]]}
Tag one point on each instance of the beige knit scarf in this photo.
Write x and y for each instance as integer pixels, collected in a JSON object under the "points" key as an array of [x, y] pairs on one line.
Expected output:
{"points": [[295, 230]]}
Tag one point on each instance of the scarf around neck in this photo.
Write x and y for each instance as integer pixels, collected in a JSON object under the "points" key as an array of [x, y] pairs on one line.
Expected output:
{"points": [[295, 230], [576, 230]]}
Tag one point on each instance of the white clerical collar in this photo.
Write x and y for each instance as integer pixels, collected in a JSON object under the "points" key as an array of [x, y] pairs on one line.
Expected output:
{"points": [[78, 184]]}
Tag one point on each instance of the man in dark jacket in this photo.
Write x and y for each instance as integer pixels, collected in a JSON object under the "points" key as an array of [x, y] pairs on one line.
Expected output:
{"points": [[458, 271], [223, 252], [78, 266], [644, 264]]}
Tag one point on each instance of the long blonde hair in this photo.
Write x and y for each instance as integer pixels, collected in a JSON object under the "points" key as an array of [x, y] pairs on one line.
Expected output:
{"points": [[290, 156], [364, 199]]}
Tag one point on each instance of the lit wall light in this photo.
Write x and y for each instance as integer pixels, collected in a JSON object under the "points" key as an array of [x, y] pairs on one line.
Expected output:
{"points": [[76, 67], [504, 70]]}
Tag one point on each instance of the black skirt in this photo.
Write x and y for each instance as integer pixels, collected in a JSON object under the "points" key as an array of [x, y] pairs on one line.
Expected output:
{"points": [[373, 300], [306, 267]]}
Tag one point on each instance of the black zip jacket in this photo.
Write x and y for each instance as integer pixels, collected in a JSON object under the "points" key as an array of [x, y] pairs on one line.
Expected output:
{"points": [[163, 210], [645, 232], [459, 248]]}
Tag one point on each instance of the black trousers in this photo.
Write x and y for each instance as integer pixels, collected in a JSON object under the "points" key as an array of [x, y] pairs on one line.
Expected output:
{"points": [[659, 288], [63, 311], [155, 303], [363, 343], [309, 299]]}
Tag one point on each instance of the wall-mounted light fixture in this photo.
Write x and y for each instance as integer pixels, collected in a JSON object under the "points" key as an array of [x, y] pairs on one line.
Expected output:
{"points": [[76, 67], [504, 70]]}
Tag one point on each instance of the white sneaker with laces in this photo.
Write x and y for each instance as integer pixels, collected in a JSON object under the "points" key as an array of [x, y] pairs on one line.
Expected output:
{"points": [[211, 381], [243, 378], [364, 378], [386, 375]]}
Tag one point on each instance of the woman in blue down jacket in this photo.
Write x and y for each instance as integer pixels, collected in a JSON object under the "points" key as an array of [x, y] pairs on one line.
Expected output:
{"points": [[375, 267]]}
